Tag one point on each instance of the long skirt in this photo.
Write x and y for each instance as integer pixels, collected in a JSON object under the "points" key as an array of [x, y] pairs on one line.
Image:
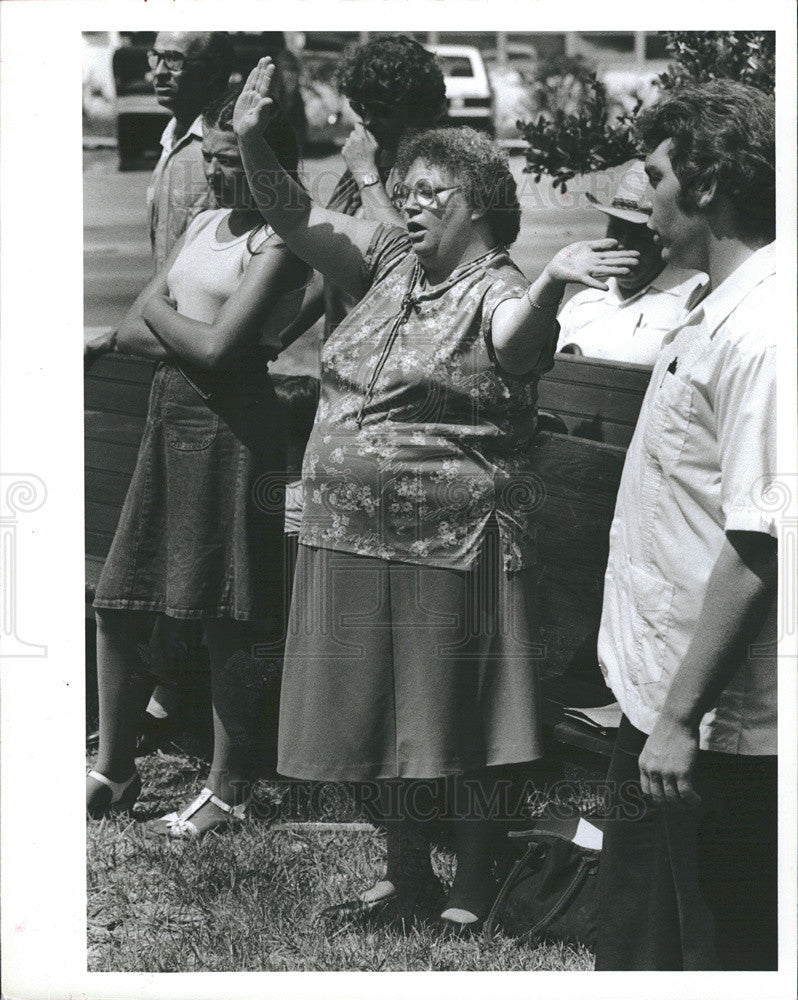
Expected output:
{"points": [[398, 670]]}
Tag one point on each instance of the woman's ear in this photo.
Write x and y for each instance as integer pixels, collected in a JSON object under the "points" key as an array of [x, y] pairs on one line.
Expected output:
{"points": [[478, 210]]}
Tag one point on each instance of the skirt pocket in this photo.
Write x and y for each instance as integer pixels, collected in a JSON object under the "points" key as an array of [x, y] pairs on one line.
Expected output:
{"points": [[189, 423]]}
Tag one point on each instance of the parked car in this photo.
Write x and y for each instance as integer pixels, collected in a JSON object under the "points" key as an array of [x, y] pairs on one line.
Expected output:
{"points": [[329, 119], [511, 79], [140, 120], [98, 76], [519, 55], [468, 88]]}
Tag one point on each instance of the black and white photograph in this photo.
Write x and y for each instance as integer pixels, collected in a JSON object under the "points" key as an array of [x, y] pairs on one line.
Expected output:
{"points": [[436, 531]]}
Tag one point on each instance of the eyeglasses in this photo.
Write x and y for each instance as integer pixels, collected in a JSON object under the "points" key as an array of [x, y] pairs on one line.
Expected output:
{"points": [[173, 60], [425, 194], [374, 109]]}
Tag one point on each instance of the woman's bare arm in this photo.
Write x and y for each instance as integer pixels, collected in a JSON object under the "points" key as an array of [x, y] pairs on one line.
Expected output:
{"points": [[330, 242], [360, 155], [134, 336], [239, 322], [523, 330], [311, 311]]}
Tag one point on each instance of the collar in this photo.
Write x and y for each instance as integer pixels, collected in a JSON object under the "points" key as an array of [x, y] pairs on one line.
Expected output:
{"points": [[724, 299], [461, 271], [670, 281], [167, 138]]}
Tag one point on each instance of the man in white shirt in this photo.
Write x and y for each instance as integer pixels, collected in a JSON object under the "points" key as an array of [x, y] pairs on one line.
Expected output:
{"points": [[687, 642], [629, 320]]}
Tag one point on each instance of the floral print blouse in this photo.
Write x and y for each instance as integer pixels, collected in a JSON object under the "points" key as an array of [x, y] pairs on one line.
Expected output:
{"points": [[421, 439]]}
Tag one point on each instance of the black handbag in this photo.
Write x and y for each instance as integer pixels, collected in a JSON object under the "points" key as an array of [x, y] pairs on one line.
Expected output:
{"points": [[550, 893]]}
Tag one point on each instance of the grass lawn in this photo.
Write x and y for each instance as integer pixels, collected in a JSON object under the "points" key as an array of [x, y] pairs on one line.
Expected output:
{"points": [[250, 899]]}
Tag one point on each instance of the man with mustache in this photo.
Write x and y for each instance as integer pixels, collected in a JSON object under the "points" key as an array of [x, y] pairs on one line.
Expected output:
{"points": [[629, 321]]}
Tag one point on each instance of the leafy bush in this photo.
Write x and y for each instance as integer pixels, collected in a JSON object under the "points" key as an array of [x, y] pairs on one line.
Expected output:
{"points": [[559, 84], [746, 56], [565, 141], [568, 144]]}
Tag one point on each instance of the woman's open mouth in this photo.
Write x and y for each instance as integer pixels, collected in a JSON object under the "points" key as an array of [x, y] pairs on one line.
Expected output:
{"points": [[415, 230]]}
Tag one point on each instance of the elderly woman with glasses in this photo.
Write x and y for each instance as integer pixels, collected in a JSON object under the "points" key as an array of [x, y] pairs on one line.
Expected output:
{"points": [[395, 86], [411, 648]]}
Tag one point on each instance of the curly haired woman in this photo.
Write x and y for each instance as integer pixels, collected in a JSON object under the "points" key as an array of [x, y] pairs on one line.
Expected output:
{"points": [[411, 650], [396, 87]]}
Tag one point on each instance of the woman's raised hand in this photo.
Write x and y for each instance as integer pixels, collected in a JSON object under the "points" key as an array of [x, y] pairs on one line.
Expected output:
{"points": [[591, 262], [254, 106]]}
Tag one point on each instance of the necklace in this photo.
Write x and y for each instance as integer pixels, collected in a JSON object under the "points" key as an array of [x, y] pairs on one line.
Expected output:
{"points": [[408, 305]]}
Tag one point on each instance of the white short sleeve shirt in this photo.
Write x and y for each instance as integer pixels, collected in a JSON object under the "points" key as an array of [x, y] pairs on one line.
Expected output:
{"points": [[701, 463], [607, 325]]}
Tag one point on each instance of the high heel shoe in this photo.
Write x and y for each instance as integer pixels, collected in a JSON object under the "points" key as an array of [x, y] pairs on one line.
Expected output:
{"points": [[113, 796], [180, 825]]}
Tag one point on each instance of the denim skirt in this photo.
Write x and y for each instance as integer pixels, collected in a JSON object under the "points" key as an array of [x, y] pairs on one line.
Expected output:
{"points": [[201, 529], [395, 670]]}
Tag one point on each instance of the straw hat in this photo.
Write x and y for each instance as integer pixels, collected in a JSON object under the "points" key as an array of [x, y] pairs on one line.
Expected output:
{"points": [[630, 201]]}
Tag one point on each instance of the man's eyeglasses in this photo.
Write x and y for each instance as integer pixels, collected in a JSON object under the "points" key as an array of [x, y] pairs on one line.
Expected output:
{"points": [[173, 60], [374, 109], [425, 194]]}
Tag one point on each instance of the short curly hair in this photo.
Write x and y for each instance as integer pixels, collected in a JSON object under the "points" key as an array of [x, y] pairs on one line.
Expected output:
{"points": [[479, 165], [396, 71], [721, 131]]}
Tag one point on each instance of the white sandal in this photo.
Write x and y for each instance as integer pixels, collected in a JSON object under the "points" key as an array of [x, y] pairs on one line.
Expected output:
{"points": [[123, 794], [180, 825]]}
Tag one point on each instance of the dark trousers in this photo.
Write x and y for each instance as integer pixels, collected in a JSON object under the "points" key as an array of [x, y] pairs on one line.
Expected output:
{"points": [[689, 889]]}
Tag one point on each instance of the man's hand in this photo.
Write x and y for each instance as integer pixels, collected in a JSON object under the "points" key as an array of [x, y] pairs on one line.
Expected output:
{"points": [[360, 152], [254, 106], [96, 345], [667, 762], [591, 261]]}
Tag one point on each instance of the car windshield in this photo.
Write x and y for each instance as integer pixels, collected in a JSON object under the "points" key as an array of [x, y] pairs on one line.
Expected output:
{"points": [[456, 65]]}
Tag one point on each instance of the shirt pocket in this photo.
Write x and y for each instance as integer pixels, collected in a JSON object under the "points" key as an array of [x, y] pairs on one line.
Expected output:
{"points": [[665, 430], [652, 613]]}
